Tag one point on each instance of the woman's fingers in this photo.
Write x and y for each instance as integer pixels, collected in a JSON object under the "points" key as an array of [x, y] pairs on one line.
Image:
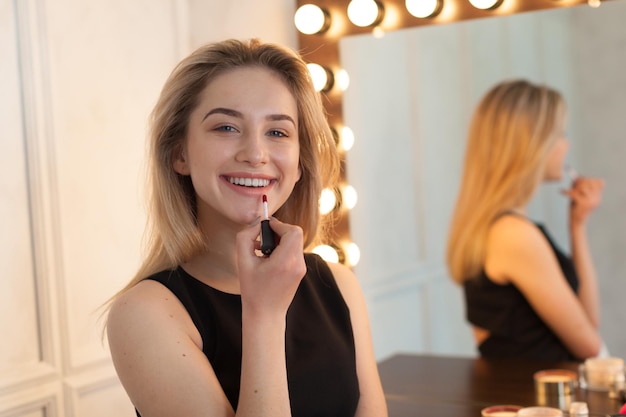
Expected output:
{"points": [[585, 195], [268, 283]]}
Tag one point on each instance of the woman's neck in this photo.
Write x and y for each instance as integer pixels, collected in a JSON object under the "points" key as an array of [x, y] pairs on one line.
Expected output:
{"points": [[217, 266]]}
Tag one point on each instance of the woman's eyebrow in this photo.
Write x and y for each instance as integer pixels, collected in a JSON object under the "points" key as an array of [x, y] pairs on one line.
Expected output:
{"points": [[235, 113], [222, 110], [276, 117]]}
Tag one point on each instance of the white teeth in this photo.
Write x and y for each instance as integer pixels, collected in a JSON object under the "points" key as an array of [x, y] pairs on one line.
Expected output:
{"points": [[249, 182]]}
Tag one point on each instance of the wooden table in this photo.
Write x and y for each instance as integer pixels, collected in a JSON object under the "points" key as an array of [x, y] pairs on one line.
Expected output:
{"points": [[441, 386]]}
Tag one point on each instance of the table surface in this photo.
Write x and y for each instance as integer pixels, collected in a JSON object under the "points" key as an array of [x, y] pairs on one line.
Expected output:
{"points": [[433, 386]]}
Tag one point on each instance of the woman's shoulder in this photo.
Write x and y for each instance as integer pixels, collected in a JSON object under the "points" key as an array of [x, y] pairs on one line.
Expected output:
{"points": [[341, 272], [347, 282], [513, 229], [513, 242], [336, 270], [141, 297], [148, 304]]}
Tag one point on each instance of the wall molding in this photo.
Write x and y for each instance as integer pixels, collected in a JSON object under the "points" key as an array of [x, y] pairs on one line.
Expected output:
{"points": [[44, 399], [37, 120]]}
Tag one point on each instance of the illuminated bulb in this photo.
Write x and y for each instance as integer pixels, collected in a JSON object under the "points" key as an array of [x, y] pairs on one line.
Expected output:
{"points": [[322, 77], [424, 8], [485, 4], [365, 12], [328, 253], [311, 19], [353, 253], [343, 79], [347, 138], [378, 32], [594, 3], [349, 197], [328, 200]]}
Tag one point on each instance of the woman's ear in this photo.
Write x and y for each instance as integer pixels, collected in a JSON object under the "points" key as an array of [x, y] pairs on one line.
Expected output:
{"points": [[180, 164]]}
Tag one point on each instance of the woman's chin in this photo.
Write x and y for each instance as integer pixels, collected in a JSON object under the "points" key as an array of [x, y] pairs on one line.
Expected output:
{"points": [[250, 219]]}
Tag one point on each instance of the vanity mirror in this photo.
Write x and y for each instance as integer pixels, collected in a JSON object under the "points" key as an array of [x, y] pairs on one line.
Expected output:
{"points": [[408, 104]]}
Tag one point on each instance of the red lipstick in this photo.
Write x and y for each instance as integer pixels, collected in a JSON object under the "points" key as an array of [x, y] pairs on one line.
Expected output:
{"points": [[268, 241]]}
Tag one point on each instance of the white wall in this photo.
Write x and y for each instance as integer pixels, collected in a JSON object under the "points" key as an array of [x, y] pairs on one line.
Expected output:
{"points": [[409, 103], [269, 20], [78, 81], [601, 126]]}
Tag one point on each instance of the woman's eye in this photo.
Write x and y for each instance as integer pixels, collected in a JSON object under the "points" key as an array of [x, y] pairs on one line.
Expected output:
{"points": [[226, 128], [277, 133]]}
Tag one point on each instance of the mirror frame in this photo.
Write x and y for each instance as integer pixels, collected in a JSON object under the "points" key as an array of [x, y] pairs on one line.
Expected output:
{"points": [[323, 49]]}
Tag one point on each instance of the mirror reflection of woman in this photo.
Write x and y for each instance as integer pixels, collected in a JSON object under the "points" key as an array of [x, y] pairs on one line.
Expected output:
{"points": [[209, 326], [525, 298]]}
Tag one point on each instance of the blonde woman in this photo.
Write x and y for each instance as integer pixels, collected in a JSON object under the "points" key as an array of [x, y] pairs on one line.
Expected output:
{"points": [[209, 326], [524, 296]]}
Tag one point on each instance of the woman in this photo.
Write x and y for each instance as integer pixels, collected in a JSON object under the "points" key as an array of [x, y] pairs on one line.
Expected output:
{"points": [[524, 297], [209, 326]]}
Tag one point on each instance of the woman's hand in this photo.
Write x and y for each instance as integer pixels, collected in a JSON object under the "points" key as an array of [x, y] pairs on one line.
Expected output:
{"points": [[268, 284], [585, 195]]}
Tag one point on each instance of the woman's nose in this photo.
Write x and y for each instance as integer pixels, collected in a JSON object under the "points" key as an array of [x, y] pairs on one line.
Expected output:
{"points": [[253, 149]]}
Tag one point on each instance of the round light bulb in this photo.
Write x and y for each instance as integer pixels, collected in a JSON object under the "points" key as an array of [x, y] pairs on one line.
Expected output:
{"points": [[347, 138], [349, 197], [343, 79], [328, 253], [322, 80], [594, 3], [424, 8], [485, 4], [378, 32], [328, 200], [365, 12], [353, 253], [311, 19]]}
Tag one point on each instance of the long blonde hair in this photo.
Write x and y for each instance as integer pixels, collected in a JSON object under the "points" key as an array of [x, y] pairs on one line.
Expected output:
{"points": [[172, 234], [510, 136]]}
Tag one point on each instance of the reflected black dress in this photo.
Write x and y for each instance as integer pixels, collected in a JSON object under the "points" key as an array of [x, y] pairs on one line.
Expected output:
{"points": [[320, 352], [516, 331]]}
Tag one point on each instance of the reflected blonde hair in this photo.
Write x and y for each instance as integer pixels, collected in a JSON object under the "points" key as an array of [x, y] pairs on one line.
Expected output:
{"points": [[172, 234], [510, 136]]}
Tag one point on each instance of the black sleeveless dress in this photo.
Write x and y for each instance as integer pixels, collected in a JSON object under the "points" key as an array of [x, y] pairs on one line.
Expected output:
{"points": [[516, 331], [320, 352]]}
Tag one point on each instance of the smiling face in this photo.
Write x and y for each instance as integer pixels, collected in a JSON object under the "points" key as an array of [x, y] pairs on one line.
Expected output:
{"points": [[242, 143]]}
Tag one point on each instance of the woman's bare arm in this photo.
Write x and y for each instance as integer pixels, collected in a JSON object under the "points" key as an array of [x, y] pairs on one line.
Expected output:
{"points": [[585, 195], [372, 400]]}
